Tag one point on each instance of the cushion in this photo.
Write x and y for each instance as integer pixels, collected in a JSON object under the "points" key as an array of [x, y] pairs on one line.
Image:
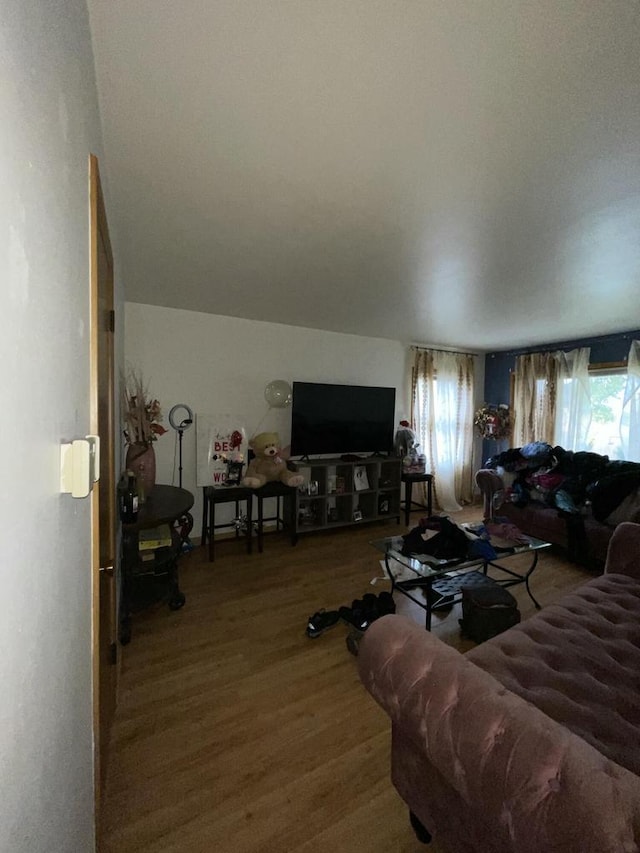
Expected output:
{"points": [[579, 662]]}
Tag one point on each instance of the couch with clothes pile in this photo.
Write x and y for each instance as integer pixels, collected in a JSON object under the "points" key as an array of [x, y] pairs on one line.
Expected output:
{"points": [[571, 499], [530, 742]]}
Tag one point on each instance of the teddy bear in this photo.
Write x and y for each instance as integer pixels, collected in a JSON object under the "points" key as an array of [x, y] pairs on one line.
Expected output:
{"points": [[268, 464], [406, 446], [405, 440]]}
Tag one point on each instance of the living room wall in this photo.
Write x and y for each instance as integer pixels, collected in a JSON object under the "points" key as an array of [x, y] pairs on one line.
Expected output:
{"points": [[50, 123], [221, 365]]}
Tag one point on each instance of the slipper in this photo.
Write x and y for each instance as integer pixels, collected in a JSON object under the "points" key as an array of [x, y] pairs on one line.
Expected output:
{"points": [[355, 615], [321, 622]]}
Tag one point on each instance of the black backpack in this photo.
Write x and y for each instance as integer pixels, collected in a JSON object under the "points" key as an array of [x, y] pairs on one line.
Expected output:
{"points": [[487, 611]]}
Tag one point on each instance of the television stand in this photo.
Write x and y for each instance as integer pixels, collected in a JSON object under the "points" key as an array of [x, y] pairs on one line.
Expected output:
{"points": [[342, 492]]}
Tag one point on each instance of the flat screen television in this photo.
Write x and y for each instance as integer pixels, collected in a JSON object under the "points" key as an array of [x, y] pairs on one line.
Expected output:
{"points": [[340, 419]]}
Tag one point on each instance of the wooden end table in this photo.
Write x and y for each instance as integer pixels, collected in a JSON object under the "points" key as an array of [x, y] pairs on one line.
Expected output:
{"points": [[164, 505], [409, 479], [212, 495], [277, 490]]}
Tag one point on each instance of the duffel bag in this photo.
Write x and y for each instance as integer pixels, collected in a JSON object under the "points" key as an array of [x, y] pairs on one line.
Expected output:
{"points": [[487, 611]]}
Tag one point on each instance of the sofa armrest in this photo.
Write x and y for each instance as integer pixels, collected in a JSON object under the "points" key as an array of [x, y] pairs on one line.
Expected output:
{"points": [[515, 771], [623, 553], [489, 482]]}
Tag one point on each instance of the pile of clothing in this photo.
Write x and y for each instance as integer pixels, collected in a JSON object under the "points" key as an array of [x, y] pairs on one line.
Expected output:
{"points": [[442, 539], [567, 480]]}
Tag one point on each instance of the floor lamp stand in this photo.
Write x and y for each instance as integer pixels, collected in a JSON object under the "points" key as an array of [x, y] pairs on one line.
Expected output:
{"points": [[185, 522]]}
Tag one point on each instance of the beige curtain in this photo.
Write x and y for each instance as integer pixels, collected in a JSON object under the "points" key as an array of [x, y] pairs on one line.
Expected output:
{"points": [[573, 400], [630, 419], [442, 416], [534, 397]]}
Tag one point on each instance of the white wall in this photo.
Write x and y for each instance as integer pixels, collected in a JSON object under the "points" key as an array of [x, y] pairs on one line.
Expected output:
{"points": [[221, 365], [49, 125]]}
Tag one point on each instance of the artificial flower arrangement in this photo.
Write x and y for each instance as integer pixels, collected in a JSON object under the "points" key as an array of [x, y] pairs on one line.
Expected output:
{"points": [[141, 413], [493, 421], [231, 457]]}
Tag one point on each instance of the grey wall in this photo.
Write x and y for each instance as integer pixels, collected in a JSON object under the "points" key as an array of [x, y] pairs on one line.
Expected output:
{"points": [[49, 125]]}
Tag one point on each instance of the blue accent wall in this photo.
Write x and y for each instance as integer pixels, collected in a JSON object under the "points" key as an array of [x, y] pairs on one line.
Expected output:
{"points": [[498, 366]]}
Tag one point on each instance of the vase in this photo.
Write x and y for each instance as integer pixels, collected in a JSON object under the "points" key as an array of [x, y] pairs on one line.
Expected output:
{"points": [[141, 459]]}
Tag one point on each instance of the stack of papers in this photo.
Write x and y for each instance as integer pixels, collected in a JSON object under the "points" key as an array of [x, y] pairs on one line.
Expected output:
{"points": [[154, 537]]}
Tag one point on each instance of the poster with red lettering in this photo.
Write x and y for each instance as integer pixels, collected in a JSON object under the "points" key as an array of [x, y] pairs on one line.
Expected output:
{"points": [[221, 443]]}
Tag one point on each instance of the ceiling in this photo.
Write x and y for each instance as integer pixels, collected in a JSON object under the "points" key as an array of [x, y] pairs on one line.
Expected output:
{"points": [[462, 173]]}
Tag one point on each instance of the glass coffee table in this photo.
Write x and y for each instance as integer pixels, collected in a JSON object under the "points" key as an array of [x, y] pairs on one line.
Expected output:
{"points": [[442, 581]]}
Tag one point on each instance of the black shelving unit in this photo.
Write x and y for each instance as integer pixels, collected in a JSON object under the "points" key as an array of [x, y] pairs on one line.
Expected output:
{"points": [[339, 493]]}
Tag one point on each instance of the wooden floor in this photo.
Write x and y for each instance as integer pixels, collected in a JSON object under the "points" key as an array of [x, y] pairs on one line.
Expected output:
{"points": [[236, 733]]}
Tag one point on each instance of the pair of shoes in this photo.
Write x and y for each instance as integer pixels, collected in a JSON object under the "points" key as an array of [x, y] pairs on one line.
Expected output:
{"points": [[375, 607], [365, 610], [355, 615], [321, 622]]}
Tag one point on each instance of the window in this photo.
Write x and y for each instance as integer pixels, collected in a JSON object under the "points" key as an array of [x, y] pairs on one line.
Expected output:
{"points": [[560, 398], [442, 414], [607, 387]]}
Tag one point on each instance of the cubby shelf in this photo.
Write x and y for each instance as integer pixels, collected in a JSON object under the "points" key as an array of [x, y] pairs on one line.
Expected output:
{"points": [[338, 493]]}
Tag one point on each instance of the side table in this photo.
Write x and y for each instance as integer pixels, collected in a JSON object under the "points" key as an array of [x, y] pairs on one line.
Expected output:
{"points": [[212, 495], [288, 494], [409, 480], [164, 505]]}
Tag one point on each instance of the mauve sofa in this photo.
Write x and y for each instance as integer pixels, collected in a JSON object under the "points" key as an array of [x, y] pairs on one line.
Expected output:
{"points": [[583, 537], [530, 742], [574, 500]]}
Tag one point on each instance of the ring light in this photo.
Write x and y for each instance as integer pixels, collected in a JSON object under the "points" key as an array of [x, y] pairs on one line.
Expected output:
{"points": [[181, 421]]}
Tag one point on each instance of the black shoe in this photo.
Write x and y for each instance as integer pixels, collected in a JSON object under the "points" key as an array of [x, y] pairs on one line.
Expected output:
{"points": [[321, 622], [356, 615], [370, 607], [373, 607], [386, 604]]}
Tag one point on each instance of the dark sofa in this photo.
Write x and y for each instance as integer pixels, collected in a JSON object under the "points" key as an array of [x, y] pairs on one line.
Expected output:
{"points": [[573, 500]]}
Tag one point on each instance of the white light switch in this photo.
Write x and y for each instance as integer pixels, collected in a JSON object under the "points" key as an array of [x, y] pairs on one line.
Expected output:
{"points": [[76, 468]]}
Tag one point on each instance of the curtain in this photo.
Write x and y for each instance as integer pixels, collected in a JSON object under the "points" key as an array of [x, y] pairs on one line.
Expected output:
{"points": [[573, 400], [534, 397], [630, 419], [442, 415]]}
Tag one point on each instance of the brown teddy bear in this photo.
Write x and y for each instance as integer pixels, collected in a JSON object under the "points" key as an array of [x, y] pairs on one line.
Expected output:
{"points": [[268, 465]]}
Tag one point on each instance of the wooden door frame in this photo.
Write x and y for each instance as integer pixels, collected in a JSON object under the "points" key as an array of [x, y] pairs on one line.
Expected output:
{"points": [[98, 231]]}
